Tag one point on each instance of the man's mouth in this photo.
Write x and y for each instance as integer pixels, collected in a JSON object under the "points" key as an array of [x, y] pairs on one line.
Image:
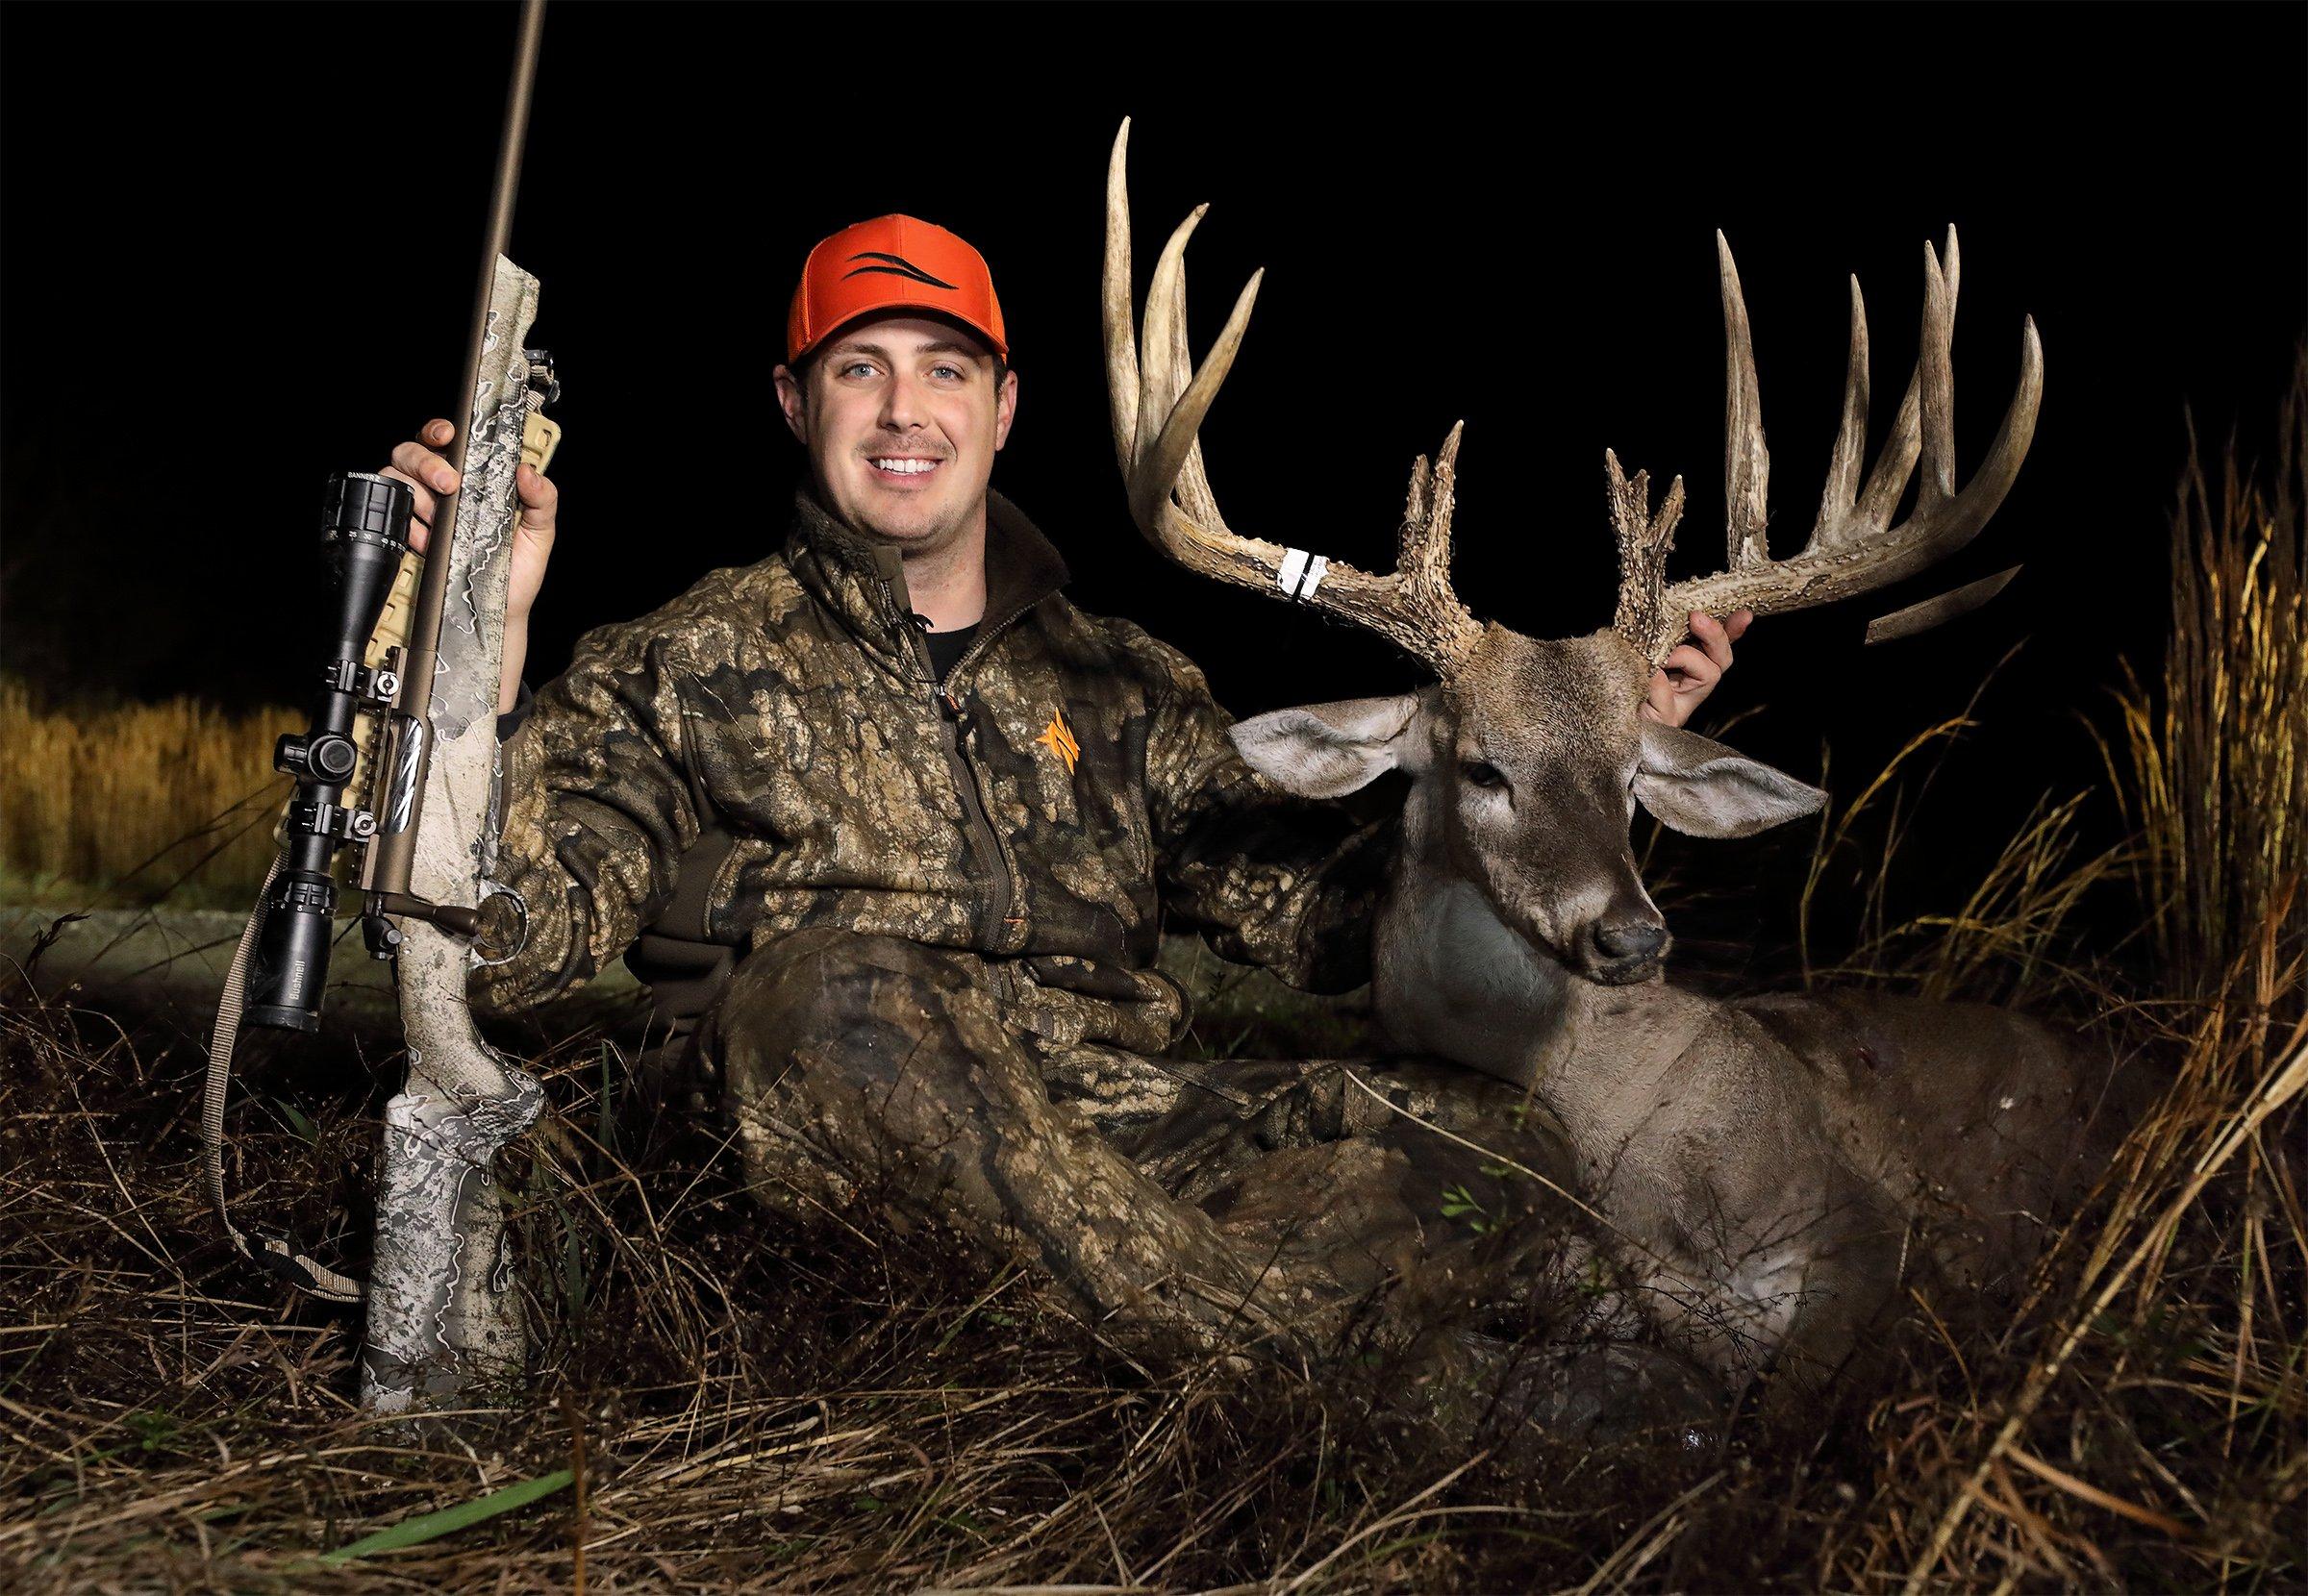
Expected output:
{"points": [[903, 468]]}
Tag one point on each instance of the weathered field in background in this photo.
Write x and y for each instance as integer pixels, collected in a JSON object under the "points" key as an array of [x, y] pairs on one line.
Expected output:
{"points": [[136, 804], [720, 1403]]}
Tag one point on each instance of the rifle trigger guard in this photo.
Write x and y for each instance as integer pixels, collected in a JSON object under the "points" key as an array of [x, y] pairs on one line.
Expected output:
{"points": [[497, 889]]}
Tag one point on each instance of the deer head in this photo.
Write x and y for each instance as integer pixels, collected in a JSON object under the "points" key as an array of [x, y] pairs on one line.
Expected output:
{"points": [[1527, 755]]}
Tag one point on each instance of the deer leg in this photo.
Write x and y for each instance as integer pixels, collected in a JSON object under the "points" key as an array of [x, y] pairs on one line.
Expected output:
{"points": [[1437, 1195]]}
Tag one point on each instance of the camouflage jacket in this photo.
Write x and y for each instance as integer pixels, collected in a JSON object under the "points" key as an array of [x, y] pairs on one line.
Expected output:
{"points": [[1070, 782]]}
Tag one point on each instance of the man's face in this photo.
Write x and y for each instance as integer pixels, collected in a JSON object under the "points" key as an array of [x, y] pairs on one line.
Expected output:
{"points": [[902, 420]]}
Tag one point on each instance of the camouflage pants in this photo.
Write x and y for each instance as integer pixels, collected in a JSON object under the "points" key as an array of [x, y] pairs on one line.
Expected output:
{"points": [[1282, 1205]]}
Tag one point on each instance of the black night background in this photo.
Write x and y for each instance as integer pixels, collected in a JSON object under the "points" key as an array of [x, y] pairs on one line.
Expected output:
{"points": [[238, 245], [236, 242]]}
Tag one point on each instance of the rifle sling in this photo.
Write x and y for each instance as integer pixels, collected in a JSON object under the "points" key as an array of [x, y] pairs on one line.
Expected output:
{"points": [[305, 1273]]}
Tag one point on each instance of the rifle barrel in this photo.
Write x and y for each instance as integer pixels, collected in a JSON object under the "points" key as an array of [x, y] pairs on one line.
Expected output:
{"points": [[396, 851]]}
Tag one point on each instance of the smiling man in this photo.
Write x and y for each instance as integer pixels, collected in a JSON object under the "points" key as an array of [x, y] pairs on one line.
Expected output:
{"points": [[896, 828]]}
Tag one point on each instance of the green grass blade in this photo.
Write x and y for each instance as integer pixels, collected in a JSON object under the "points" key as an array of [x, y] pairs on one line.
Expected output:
{"points": [[447, 1521]]}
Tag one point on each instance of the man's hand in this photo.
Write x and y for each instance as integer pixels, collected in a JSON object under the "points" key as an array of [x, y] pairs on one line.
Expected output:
{"points": [[1687, 675], [429, 475]]}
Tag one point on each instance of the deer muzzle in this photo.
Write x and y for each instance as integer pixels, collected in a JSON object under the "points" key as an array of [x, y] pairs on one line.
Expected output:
{"points": [[1623, 953]]}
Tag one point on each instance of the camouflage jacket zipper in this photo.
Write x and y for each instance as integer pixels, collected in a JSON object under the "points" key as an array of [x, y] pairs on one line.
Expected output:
{"points": [[994, 934]]}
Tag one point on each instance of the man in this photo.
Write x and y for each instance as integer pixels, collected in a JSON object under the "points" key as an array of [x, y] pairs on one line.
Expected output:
{"points": [[929, 819]]}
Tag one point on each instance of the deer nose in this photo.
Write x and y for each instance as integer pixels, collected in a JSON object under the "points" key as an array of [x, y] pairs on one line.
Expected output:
{"points": [[1636, 939]]}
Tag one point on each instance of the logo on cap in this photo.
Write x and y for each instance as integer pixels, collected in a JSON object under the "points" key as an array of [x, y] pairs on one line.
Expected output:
{"points": [[898, 267]]}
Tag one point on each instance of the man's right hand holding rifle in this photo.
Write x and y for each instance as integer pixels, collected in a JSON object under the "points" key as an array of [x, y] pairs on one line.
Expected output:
{"points": [[427, 473]]}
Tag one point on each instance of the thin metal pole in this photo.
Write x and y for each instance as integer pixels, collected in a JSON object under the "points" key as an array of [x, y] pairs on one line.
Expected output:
{"points": [[397, 850]]}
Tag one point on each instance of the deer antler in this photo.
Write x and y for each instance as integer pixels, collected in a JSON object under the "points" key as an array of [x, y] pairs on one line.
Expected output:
{"points": [[1852, 548], [1159, 400]]}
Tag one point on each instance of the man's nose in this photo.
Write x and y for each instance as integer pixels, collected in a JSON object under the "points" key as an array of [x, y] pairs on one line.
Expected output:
{"points": [[901, 403]]}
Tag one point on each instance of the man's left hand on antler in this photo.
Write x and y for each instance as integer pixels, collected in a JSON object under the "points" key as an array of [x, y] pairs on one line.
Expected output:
{"points": [[1688, 674]]}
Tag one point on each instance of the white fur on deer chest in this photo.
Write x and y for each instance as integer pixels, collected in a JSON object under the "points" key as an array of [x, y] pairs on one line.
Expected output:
{"points": [[1454, 982]]}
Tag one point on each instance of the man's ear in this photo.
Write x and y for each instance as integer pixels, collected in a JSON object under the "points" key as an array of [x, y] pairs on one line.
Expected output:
{"points": [[1005, 408], [1699, 788], [1327, 749], [794, 400]]}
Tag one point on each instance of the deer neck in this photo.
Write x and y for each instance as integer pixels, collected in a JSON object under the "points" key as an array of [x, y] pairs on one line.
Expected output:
{"points": [[1454, 980]]}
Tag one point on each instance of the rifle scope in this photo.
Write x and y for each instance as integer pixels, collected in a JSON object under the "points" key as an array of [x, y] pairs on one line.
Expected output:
{"points": [[365, 532]]}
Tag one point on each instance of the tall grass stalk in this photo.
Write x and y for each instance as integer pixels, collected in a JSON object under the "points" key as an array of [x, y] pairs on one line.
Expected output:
{"points": [[2013, 938], [2217, 747], [135, 803]]}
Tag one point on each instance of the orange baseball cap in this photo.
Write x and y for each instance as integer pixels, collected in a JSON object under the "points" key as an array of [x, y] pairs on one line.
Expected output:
{"points": [[892, 263]]}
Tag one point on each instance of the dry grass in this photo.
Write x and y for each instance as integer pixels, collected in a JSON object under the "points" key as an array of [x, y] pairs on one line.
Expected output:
{"points": [[857, 1409], [851, 1409], [2015, 937], [2218, 751], [134, 804]]}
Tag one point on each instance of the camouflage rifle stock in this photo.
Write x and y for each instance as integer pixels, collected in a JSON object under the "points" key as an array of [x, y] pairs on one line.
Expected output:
{"points": [[441, 1310]]}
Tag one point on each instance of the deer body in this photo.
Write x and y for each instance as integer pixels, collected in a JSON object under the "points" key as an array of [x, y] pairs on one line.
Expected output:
{"points": [[1776, 1169]]}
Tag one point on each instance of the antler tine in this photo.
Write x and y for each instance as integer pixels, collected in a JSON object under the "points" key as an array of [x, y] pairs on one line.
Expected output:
{"points": [[1853, 548], [1644, 540], [1416, 606], [1157, 402], [1163, 379], [1168, 369], [1747, 462], [1934, 361], [1121, 343], [1195, 497], [1850, 452], [1424, 557]]}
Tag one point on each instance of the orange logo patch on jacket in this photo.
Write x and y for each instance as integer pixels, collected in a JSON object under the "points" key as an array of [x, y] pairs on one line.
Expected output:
{"points": [[1058, 740]]}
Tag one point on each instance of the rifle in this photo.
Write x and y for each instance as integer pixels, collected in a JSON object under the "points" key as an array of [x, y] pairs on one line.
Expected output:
{"points": [[401, 761]]}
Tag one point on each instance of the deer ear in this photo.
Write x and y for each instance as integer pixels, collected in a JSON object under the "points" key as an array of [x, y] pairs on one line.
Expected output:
{"points": [[1327, 749], [1701, 788]]}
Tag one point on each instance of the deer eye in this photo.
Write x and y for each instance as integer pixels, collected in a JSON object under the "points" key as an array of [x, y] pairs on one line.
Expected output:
{"points": [[1482, 774]]}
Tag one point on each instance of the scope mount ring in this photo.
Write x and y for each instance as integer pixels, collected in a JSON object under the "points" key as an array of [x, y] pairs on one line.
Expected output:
{"points": [[498, 890]]}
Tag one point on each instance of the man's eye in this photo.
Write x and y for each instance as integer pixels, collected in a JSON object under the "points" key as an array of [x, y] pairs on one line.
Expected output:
{"points": [[954, 371], [856, 366]]}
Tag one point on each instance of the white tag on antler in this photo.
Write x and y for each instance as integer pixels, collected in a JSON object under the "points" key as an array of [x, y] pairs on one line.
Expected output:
{"points": [[1301, 573]]}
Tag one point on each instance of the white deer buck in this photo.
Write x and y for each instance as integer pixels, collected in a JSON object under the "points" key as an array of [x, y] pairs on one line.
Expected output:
{"points": [[1778, 1169]]}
